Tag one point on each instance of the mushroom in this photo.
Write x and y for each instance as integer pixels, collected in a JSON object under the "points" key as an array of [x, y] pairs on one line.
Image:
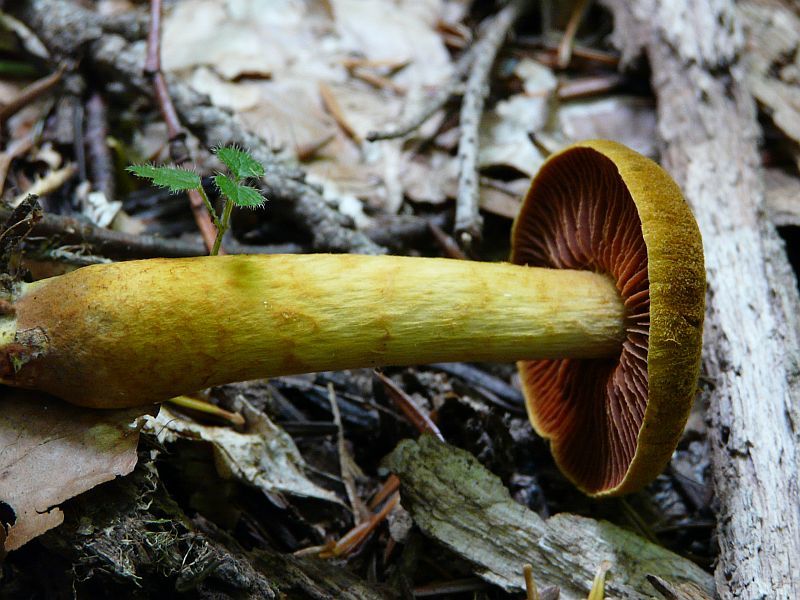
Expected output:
{"points": [[598, 224], [614, 422]]}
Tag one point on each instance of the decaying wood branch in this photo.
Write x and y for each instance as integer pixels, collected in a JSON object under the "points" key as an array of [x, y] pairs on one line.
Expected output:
{"points": [[468, 225], [462, 505], [707, 121]]}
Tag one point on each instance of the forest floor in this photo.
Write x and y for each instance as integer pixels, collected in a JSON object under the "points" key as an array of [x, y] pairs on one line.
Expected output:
{"points": [[384, 127]]}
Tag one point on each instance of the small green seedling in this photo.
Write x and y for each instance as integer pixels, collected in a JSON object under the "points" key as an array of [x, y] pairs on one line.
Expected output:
{"points": [[233, 190]]}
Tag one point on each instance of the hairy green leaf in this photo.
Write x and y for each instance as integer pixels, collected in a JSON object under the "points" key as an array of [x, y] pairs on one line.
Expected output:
{"points": [[240, 163], [173, 178], [240, 195]]}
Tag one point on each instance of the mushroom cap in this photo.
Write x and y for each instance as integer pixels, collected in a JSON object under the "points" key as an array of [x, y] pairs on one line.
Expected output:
{"points": [[613, 423]]}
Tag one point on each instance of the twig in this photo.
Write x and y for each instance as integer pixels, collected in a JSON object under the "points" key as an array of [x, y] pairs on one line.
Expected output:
{"points": [[75, 89], [388, 492], [377, 81], [71, 230], [152, 68], [335, 110], [547, 53], [677, 591], [67, 256], [30, 93], [481, 379], [419, 419], [101, 164], [177, 137], [565, 47], [398, 231], [201, 406], [358, 534], [434, 103], [589, 86], [393, 66], [468, 223], [455, 586], [345, 461], [447, 243]]}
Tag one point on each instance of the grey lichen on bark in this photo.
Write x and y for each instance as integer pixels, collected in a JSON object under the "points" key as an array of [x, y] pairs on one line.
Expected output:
{"points": [[453, 499], [707, 122]]}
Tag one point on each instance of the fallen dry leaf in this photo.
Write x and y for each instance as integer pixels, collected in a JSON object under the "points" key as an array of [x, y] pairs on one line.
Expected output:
{"points": [[51, 451], [268, 63], [630, 120], [399, 31], [236, 38], [504, 135], [430, 178], [263, 456]]}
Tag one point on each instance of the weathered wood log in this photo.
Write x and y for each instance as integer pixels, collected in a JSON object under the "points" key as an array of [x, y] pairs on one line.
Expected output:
{"points": [[707, 121], [462, 505]]}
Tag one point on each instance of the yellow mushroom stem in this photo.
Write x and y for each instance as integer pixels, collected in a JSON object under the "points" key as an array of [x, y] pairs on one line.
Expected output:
{"points": [[143, 331]]}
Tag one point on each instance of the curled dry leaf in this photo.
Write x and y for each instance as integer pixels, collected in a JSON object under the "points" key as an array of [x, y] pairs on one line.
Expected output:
{"points": [[51, 451], [263, 456]]}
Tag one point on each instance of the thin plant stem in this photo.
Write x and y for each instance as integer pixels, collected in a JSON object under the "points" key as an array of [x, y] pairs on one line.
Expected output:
{"points": [[222, 226], [209, 207], [207, 408], [531, 591], [177, 136]]}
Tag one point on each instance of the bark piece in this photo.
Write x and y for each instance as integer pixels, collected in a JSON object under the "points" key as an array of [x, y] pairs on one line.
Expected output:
{"points": [[456, 501], [707, 121]]}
